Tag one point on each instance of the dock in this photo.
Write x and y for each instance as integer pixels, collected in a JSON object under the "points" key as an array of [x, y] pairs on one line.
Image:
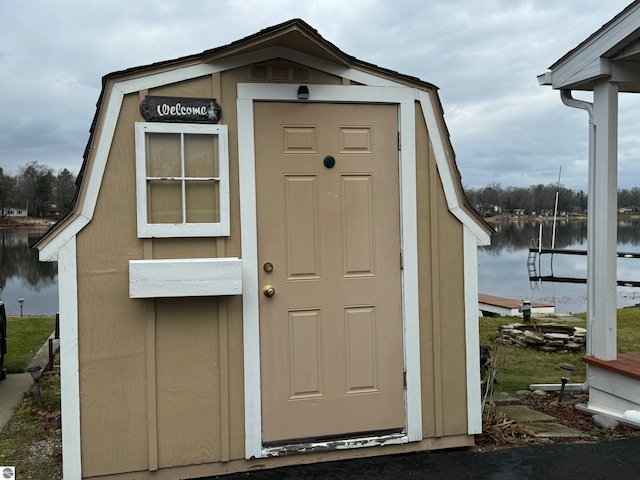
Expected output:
{"points": [[492, 306]]}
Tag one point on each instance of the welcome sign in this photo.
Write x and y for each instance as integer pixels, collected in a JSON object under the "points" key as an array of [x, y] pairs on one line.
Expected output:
{"points": [[180, 109]]}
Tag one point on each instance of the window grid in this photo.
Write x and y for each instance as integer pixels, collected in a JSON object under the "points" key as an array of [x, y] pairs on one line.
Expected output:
{"points": [[220, 188]]}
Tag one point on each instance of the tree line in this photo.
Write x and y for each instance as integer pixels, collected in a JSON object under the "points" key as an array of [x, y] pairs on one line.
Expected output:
{"points": [[34, 187], [540, 199]]}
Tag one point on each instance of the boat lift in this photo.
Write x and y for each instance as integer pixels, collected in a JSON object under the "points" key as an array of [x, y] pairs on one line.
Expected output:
{"points": [[534, 266]]}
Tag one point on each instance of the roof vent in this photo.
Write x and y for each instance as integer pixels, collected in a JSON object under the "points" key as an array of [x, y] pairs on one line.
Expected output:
{"points": [[279, 73], [260, 73]]}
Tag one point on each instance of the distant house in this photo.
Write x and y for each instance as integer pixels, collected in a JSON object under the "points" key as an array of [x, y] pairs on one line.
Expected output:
{"points": [[14, 212], [51, 210]]}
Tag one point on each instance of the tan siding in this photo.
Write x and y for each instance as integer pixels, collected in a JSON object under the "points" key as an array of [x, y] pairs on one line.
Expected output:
{"points": [[452, 321], [440, 265], [112, 330], [114, 433], [188, 378]]}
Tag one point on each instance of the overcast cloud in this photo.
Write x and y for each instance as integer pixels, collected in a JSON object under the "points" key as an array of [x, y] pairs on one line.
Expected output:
{"points": [[483, 56]]}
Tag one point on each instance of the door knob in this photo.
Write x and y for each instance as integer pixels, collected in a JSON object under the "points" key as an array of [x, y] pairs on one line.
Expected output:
{"points": [[269, 291]]}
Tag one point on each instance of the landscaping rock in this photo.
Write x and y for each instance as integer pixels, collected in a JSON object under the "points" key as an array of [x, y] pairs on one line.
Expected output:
{"points": [[547, 337], [603, 421]]}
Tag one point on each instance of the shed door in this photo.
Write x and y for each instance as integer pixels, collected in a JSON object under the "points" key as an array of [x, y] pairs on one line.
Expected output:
{"points": [[329, 246]]}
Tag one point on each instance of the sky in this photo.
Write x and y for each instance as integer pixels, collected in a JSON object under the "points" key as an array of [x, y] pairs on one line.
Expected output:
{"points": [[483, 56]]}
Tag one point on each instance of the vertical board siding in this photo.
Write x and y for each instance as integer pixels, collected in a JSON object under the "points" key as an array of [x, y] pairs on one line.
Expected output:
{"points": [[188, 380], [442, 314]]}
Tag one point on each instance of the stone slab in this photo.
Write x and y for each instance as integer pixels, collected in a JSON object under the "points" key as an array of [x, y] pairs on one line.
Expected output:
{"points": [[553, 430], [520, 414]]}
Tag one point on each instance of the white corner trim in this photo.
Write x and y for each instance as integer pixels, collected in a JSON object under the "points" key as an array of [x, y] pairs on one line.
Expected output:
{"points": [[472, 332], [439, 150], [408, 238], [402, 96], [249, 240], [189, 277], [69, 362]]}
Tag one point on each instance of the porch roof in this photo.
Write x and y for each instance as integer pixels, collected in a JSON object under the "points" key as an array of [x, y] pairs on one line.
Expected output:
{"points": [[611, 52]]}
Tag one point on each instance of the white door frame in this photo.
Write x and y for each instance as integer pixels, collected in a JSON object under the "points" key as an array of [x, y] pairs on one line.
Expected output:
{"points": [[405, 98]]}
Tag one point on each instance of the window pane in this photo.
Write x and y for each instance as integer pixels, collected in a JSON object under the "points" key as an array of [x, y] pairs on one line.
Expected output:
{"points": [[202, 202], [163, 157], [165, 201], [200, 155]]}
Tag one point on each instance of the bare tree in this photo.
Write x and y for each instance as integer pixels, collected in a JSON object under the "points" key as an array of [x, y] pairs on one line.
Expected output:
{"points": [[35, 186]]}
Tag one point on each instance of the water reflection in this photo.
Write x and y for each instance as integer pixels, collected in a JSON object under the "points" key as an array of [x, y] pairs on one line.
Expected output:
{"points": [[502, 268], [23, 276]]}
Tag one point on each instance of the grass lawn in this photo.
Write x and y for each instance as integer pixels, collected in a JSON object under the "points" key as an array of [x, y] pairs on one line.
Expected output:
{"points": [[24, 337], [31, 441], [518, 368]]}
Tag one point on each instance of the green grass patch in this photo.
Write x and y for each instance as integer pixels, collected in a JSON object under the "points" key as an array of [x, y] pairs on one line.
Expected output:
{"points": [[629, 330], [25, 336], [519, 368]]}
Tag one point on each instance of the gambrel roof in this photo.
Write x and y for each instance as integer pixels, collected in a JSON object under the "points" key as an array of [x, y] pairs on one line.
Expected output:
{"points": [[294, 40]]}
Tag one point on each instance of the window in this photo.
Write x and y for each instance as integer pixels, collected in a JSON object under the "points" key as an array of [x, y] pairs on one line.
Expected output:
{"points": [[182, 180]]}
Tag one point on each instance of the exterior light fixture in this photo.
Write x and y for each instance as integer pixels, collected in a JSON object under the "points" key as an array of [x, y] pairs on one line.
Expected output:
{"points": [[567, 371], [21, 302], [303, 92], [35, 374], [525, 309]]}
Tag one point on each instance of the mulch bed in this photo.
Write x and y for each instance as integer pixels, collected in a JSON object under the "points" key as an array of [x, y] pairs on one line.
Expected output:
{"points": [[503, 433]]}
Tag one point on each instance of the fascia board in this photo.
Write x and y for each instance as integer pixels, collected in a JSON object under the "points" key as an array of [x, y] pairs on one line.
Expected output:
{"points": [[584, 60], [446, 175], [164, 78], [573, 74]]}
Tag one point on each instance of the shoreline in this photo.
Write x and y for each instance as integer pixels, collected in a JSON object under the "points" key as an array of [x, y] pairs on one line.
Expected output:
{"points": [[13, 223], [538, 218]]}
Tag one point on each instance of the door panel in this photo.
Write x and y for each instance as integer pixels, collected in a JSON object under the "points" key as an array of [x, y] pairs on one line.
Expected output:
{"points": [[331, 334]]}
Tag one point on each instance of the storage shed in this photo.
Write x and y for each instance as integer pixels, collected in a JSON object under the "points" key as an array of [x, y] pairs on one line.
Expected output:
{"points": [[270, 261]]}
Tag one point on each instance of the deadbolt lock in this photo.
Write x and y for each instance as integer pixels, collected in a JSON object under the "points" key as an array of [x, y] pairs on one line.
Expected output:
{"points": [[269, 291]]}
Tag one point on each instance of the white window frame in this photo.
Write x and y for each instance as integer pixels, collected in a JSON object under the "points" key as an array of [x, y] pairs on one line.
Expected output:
{"points": [[149, 230]]}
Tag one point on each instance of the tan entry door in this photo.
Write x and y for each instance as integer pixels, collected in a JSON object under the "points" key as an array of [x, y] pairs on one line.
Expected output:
{"points": [[329, 246]]}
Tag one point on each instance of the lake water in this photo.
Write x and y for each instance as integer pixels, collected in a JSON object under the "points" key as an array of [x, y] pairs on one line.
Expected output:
{"points": [[502, 267], [23, 276]]}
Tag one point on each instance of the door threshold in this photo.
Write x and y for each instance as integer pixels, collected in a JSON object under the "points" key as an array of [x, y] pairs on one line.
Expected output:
{"points": [[329, 445]]}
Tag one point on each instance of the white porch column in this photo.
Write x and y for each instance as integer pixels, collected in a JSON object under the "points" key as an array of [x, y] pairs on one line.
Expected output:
{"points": [[602, 225]]}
